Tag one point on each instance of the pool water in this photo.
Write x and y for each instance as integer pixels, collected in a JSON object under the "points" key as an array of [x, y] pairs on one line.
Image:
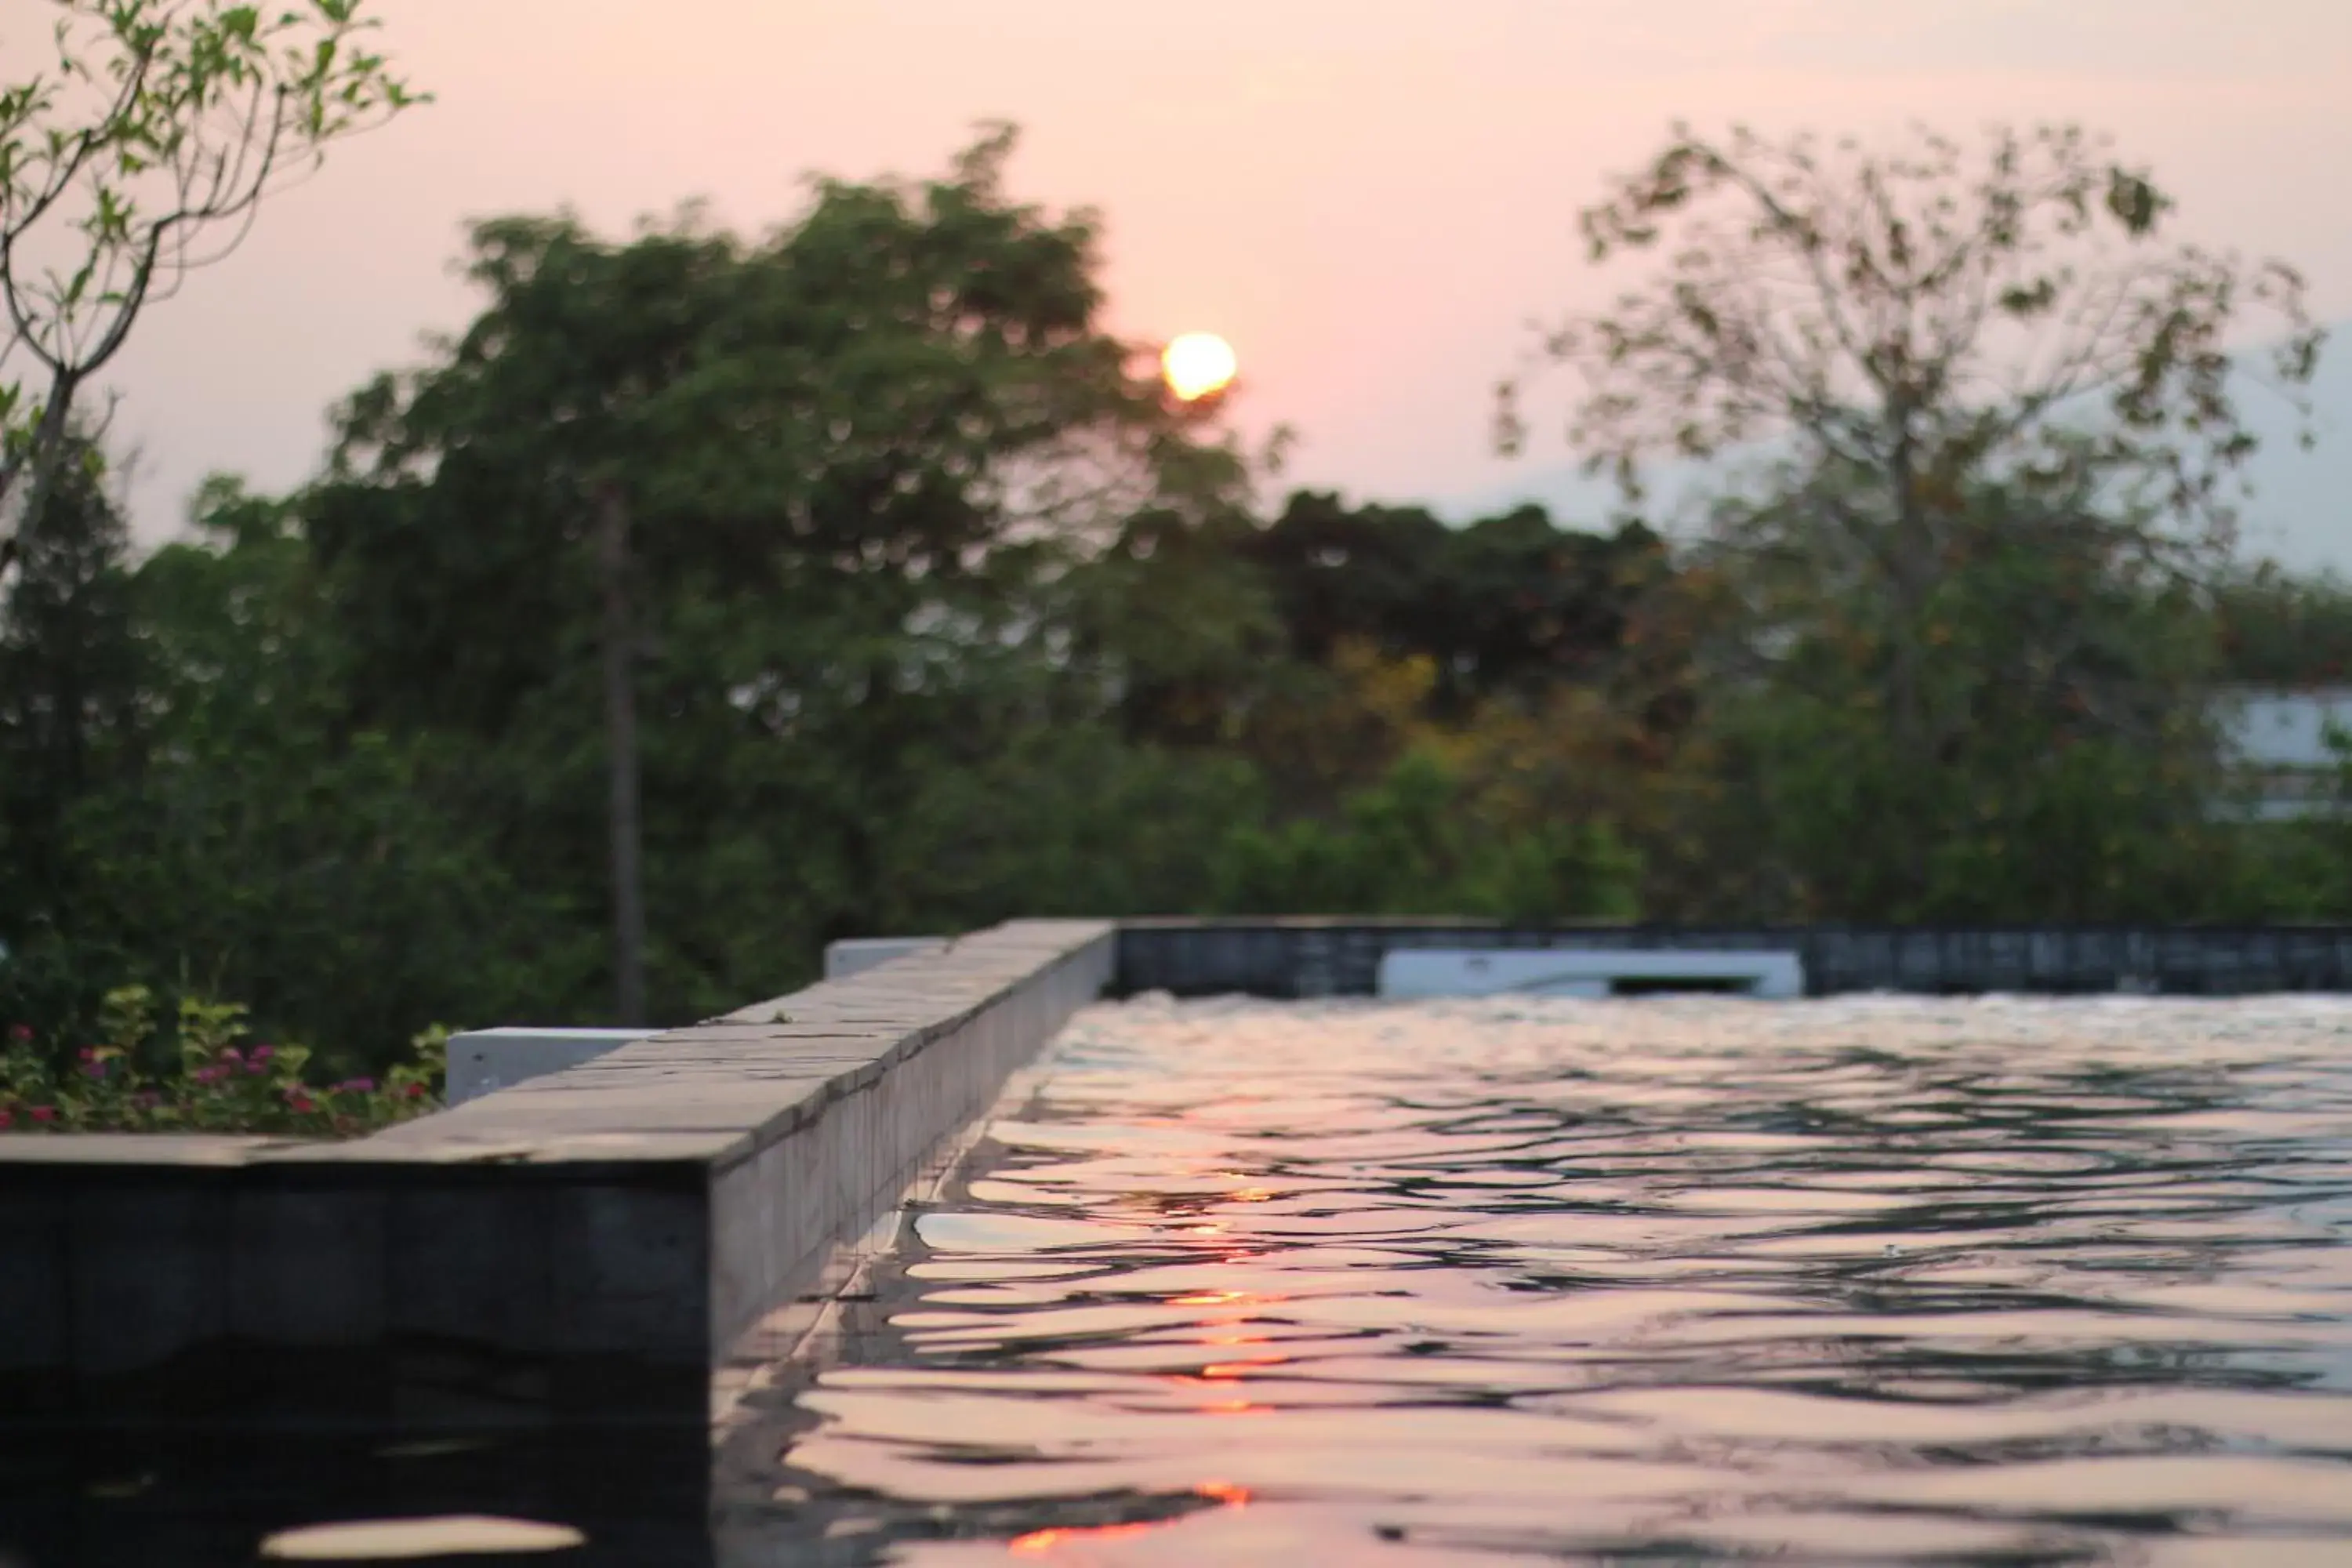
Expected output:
{"points": [[1684, 1280]]}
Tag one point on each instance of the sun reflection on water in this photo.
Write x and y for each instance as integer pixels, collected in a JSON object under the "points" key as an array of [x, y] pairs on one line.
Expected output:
{"points": [[1871, 1282]]}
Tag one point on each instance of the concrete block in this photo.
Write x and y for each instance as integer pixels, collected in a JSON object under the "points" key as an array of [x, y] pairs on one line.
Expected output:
{"points": [[468, 1262], [150, 1271], [629, 1271], [306, 1265], [35, 1303], [854, 955], [483, 1060]]}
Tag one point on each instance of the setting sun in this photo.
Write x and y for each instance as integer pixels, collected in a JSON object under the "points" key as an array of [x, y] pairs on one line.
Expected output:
{"points": [[1197, 365]]}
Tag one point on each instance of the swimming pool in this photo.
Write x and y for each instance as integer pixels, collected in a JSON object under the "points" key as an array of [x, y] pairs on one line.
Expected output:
{"points": [[1674, 1280]]}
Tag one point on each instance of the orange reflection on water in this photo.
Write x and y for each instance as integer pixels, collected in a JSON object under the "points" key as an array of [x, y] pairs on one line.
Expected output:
{"points": [[1220, 1379], [1229, 1299], [1227, 1371], [1038, 1542]]}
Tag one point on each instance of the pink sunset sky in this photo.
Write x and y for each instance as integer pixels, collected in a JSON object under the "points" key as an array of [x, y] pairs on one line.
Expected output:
{"points": [[1370, 198]]}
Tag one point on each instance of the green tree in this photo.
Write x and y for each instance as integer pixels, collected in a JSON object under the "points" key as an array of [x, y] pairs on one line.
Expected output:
{"points": [[551, 408], [1422, 840], [1922, 322], [143, 148], [231, 830], [1179, 623], [1364, 620], [1991, 389], [2281, 629], [71, 680], [71, 683], [853, 461], [2070, 761]]}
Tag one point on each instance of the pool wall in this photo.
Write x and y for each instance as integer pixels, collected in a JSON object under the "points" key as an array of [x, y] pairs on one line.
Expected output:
{"points": [[1296, 958], [582, 1249]]}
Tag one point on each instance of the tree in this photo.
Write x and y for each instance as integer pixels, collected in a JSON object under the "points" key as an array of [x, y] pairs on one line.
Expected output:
{"points": [[1951, 362], [2279, 629], [186, 804], [1921, 323], [272, 849], [1513, 601], [550, 407], [144, 150], [1424, 839], [70, 682], [834, 475], [1178, 620], [2071, 759]]}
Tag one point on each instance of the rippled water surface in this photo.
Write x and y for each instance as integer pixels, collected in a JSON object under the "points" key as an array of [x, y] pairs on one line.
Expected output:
{"points": [[1662, 1281]]}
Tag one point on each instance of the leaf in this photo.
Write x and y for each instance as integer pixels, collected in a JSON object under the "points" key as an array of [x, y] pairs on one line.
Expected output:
{"points": [[2133, 201]]}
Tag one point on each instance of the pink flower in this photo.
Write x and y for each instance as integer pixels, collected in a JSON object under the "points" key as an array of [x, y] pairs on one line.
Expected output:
{"points": [[231, 1054], [253, 1068], [356, 1086], [93, 1069], [7, 1119], [263, 1053], [45, 1113], [87, 1055], [212, 1074], [20, 1033], [303, 1103]]}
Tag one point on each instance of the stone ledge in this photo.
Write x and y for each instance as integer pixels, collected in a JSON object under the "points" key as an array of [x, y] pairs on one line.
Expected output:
{"points": [[611, 1227]]}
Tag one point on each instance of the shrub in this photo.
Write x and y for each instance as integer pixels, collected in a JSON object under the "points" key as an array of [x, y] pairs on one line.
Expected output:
{"points": [[202, 1076]]}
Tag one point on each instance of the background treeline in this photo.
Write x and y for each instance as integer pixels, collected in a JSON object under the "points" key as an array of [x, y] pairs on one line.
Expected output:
{"points": [[932, 608]]}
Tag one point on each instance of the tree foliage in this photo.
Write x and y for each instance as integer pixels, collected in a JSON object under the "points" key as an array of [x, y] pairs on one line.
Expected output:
{"points": [[70, 674], [1992, 425], [141, 149], [2062, 760], [231, 830], [939, 611], [1921, 319], [2279, 629], [855, 457]]}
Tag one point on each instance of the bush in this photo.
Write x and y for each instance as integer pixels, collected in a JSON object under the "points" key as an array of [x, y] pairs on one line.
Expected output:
{"points": [[1425, 841], [204, 1075]]}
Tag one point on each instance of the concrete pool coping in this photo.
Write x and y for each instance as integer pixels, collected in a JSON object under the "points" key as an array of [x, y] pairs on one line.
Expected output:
{"points": [[585, 1246]]}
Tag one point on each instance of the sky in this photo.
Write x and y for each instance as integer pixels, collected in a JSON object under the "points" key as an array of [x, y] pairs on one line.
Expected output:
{"points": [[1371, 199]]}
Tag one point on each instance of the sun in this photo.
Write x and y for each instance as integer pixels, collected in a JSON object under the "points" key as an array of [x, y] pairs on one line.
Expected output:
{"points": [[1198, 363]]}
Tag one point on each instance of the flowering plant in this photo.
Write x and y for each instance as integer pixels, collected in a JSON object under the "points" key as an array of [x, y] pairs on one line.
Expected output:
{"points": [[219, 1079]]}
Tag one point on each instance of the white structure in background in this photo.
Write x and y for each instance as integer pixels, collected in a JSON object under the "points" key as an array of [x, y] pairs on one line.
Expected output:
{"points": [[857, 955], [2276, 742], [1588, 971], [483, 1059]]}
